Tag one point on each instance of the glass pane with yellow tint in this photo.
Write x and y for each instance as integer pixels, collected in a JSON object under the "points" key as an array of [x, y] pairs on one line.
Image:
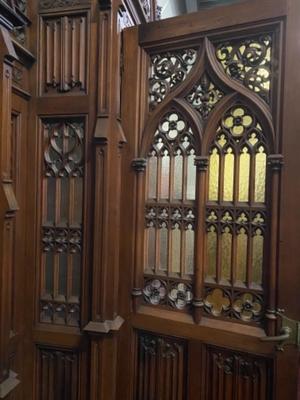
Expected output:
{"points": [[241, 264], [228, 175], [226, 249], [260, 175], [211, 252], [257, 257], [214, 166], [189, 250], [244, 172]]}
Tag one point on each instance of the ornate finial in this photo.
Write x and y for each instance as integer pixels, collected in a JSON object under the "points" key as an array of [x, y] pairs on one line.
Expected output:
{"points": [[275, 161], [201, 163], [139, 164]]}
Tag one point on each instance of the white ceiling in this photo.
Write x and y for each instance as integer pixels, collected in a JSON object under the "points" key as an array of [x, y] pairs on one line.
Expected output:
{"points": [[171, 8]]}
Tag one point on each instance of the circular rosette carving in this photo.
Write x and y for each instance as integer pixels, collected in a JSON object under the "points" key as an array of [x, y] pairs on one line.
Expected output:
{"points": [[217, 302], [155, 292], [237, 121], [247, 307], [180, 295]]}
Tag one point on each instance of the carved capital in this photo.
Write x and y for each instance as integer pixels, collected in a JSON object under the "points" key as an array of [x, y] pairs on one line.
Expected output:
{"points": [[139, 164], [136, 292], [275, 161], [201, 163]]}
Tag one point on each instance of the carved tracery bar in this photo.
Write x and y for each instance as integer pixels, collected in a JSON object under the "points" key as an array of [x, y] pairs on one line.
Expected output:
{"points": [[62, 221]]}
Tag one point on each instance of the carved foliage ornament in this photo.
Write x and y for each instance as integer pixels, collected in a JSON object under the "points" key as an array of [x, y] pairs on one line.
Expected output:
{"points": [[204, 96]]}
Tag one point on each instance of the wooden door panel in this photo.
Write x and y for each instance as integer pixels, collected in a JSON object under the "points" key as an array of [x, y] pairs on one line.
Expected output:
{"points": [[204, 131]]}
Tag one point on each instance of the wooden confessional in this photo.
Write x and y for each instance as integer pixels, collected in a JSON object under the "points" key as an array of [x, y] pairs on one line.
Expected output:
{"points": [[149, 201]]}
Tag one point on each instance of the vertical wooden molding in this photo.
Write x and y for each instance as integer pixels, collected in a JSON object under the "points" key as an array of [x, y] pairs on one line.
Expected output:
{"points": [[275, 162], [139, 165], [8, 208], [201, 165]]}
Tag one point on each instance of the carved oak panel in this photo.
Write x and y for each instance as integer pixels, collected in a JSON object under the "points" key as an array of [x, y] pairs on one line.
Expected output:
{"points": [[61, 240], [161, 369], [231, 375], [58, 374], [64, 41]]}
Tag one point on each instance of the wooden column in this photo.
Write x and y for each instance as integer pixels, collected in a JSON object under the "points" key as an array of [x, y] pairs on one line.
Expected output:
{"points": [[139, 165], [275, 162], [8, 208], [201, 165], [108, 140]]}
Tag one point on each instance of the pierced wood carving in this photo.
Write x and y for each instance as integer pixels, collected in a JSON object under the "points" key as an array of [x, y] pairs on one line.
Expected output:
{"points": [[249, 61], [65, 48], [167, 71], [160, 357]]}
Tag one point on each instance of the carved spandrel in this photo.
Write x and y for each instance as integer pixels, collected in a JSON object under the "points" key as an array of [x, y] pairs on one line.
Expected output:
{"points": [[250, 62], [168, 70]]}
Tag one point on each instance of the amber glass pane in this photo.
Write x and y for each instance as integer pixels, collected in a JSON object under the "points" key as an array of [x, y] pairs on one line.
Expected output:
{"points": [[228, 175], [211, 252], [260, 175], [163, 248], [150, 235], [242, 244], [152, 177], [226, 254], [191, 177], [178, 169], [214, 164], [257, 257], [244, 175], [189, 250], [165, 175], [176, 246]]}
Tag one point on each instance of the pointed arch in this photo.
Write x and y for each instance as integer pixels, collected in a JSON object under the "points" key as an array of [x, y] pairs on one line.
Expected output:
{"points": [[182, 109]]}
